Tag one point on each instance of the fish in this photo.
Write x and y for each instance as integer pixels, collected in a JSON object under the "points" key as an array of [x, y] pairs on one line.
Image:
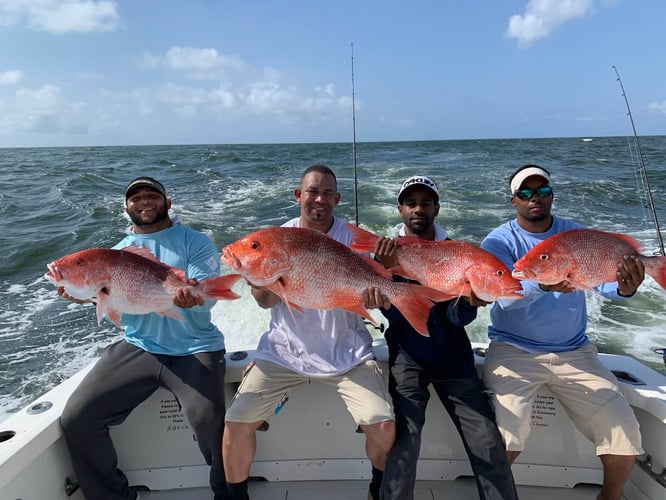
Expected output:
{"points": [[457, 268], [131, 280], [308, 269], [585, 258]]}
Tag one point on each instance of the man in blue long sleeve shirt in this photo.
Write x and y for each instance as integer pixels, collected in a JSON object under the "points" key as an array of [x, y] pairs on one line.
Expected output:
{"points": [[541, 340], [444, 360]]}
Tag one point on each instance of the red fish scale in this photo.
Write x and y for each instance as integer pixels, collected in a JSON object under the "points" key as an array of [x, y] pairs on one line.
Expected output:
{"points": [[324, 273], [134, 283], [451, 266], [584, 256]]}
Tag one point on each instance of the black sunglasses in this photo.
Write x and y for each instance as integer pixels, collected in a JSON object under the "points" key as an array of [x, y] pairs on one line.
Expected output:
{"points": [[526, 194]]}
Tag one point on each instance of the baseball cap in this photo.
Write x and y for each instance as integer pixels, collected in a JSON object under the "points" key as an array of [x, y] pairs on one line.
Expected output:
{"points": [[418, 180], [146, 182], [526, 172]]}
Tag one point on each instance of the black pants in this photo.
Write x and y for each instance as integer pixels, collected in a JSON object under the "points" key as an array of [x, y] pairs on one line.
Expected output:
{"points": [[124, 377], [470, 409]]}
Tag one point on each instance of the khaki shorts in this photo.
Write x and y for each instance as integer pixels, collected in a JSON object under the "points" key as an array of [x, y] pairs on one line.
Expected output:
{"points": [[587, 390], [267, 386]]}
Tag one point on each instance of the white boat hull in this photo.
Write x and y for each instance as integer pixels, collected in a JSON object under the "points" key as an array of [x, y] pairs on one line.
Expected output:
{"points": [[312, 448]]}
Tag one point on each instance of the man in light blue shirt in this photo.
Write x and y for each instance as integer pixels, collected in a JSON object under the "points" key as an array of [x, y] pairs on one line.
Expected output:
{"points": [[185, 357], [541, 340]]}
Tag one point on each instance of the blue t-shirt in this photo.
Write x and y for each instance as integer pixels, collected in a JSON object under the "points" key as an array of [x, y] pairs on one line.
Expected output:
{"points": [[195, 253], [541, 321]]}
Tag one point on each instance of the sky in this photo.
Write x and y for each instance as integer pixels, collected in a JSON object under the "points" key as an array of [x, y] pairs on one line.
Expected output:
{"points": [[139, 72]]}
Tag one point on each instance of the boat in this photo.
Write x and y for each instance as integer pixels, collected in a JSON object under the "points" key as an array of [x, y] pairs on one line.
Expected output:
{"points": [[313, 451], [586, 139]]}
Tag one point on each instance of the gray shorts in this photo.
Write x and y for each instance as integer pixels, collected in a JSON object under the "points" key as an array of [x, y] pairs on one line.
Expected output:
{"points": [[267, 386], [587, 390]]}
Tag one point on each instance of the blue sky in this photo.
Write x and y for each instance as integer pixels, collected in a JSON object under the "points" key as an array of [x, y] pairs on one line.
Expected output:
{"points": [[102, 72]]}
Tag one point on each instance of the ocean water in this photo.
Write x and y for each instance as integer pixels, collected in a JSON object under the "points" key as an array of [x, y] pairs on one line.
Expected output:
{"points": [[54, 201]]}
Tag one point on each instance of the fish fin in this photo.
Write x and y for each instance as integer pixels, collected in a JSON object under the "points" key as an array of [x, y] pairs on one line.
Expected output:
{"points": [[173, 312], [295, 307], [102, 309], [278, 287], [415, 304], [361, 311], [114, 316], [291, 307], [434, 294], [219, 287], [143, 252], [362, 240], [656, 267]]}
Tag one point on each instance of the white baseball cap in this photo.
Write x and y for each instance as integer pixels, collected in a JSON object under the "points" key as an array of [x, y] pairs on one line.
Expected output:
{"points": [[523, 174]]}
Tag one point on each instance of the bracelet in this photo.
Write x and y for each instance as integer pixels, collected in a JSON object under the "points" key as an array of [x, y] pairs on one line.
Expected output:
{"points": [[625, 296]]}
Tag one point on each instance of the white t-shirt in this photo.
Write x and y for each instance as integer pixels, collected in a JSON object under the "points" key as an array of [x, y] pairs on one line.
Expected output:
{"points": [[316, 343]]}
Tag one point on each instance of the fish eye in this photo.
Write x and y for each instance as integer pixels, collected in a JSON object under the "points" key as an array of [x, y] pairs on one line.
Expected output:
{"points": [[79, 261], [499, 272], [254, 245], [543, 256]]}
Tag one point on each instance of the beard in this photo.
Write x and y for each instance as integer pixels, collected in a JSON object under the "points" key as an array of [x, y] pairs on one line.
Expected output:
{"points": [[160, 215]]}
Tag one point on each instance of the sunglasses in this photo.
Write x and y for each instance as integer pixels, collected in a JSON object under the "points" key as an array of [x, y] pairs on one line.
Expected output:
{"points": [[526, 194]]}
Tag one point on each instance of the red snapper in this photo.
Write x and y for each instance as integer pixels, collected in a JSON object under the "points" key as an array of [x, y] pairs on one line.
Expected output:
{"points": [[309, 269], [131, 280]]}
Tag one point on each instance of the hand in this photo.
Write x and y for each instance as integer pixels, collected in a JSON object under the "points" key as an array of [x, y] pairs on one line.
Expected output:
{"points": [[373, 298], [630, 274], [184, 297], [65, 295], [386, 252], [473, 300], [264, 297]]}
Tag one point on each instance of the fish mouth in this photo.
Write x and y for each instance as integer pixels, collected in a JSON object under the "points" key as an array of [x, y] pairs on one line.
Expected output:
{"points": [[522, 275], [54, 273], [229, 259], [512, 294]]}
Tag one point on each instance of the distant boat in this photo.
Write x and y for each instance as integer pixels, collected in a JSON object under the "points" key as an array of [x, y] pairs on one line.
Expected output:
{"points": [[586, 139]]}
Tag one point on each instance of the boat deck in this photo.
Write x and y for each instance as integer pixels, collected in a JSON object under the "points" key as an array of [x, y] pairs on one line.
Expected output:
{"points": [[460, 489]]}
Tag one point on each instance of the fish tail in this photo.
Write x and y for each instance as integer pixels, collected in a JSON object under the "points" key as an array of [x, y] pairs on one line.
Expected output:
{"points": [[362, 240], [415, 304], [656, 267], [219, 287]]}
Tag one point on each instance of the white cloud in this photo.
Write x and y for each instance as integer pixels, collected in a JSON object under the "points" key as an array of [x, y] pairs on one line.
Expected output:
{"points": [[195, 63], [10, 77], [43, 101], [542, 17], [239, 87], [58, 16], [658, 106], [44, 111]]}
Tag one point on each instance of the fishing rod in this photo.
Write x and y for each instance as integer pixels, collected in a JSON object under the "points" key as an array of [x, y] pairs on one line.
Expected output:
{"points": [[643, 170], [354, 138], [381, 325]]}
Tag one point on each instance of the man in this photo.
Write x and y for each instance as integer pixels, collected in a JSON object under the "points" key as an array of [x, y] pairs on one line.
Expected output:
{"points": [[300, 347], [444, 360], [186, 357], [541, 340]]}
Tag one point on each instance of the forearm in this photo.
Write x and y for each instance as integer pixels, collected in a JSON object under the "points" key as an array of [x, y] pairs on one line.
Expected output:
{"points": [[264, 297]]}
